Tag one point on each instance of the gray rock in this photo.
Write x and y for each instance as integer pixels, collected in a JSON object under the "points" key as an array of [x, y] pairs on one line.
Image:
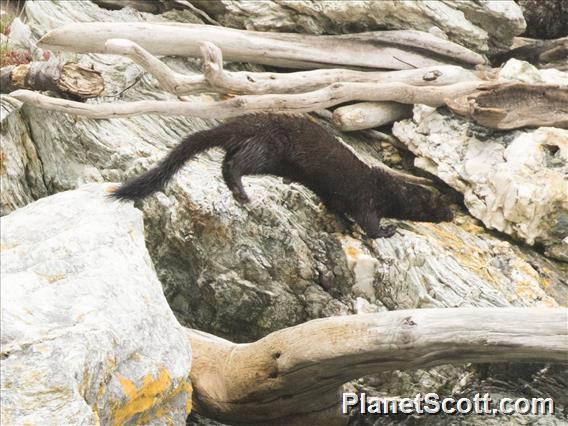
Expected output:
{"points": [[480, 26], [21, 170], [87, 335], [513, 182]]}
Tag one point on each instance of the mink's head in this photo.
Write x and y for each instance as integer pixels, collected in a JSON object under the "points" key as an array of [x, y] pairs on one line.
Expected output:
{"points": [[410, 201]]}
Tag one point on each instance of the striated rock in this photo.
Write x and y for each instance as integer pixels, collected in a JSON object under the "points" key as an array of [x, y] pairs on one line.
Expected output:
{"points": [[285, 253], [243, 271], [513, 182], [479, 26], [21, 170], [87, 335]]}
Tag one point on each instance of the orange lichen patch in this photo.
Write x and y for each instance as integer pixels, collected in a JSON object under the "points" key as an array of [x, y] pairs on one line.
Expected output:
{"points": [[530, 285], [188, 402], [2, 163], [152, 392], [52, 278], [528, 290], [352, 252], [128, 386], [471, 228], [545, 282], [158, 408], [467, 255]]}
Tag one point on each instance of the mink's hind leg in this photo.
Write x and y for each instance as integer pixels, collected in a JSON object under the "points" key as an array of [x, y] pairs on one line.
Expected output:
{"points": [[233, 179], [250, 159], [370, 222]]}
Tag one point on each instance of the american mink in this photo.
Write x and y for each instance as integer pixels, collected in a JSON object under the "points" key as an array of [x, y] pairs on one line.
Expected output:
{"points": [[298, 149]]}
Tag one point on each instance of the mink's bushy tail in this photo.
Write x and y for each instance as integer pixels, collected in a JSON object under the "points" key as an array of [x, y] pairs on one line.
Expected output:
{"points": [[156, 178]]}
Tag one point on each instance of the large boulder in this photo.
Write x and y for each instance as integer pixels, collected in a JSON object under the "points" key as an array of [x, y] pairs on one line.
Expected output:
{"points": [[481, 26], [514, 182], [87, 335]]}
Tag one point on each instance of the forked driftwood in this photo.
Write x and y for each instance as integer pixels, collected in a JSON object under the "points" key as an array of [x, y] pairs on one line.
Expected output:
{"points": [[515, 105], [379, 50], [65, 78], [329, 96], [216, 79], [294, 376], [354, 117]]}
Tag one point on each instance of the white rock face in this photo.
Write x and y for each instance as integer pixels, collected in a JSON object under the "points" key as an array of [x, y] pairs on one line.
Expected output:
{"points": [[87, 335], [514, 182], [481, 26]]}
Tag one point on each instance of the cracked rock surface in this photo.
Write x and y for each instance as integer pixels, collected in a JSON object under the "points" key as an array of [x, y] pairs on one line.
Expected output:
{"points": [[87, 335], [243, 271]]}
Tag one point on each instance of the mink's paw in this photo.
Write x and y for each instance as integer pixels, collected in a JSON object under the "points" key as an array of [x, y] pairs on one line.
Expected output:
{"points": [[241, 197], [383, 232]]}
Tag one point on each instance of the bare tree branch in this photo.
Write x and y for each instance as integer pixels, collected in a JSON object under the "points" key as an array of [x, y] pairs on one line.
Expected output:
{"points": [[286, 375], [216, 79], [329, 96]]}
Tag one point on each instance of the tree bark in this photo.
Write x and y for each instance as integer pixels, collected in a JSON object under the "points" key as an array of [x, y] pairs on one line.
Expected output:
{"points": [[515, 105], [295, 374], [380, 49], [65, 78]]}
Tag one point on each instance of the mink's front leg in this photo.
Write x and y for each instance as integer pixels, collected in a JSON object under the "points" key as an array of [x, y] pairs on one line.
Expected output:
{"points": [[370, 222]]}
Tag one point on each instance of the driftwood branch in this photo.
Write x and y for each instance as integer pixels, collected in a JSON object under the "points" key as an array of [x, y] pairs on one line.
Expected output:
{"points": [[286, 378], [515, 105], [216, 79], [380, 49], [65, 78], [329, 96], [366, 115]]}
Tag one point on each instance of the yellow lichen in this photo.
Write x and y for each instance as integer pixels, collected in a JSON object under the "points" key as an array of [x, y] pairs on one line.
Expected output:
{"points": [[471, 228], [152, 392], [51, 278], [351, 251], [162, 412], [467, 255]]}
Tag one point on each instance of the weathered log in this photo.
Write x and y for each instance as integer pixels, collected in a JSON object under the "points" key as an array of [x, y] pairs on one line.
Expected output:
{"points": [[65, 78], [366, 115], [285, 377], [329, 96], [381, 49], [515, 105], [216, 79]]}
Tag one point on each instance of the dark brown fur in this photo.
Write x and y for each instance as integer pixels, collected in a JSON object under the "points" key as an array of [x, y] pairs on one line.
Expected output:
{"points": [[300, 150]]}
